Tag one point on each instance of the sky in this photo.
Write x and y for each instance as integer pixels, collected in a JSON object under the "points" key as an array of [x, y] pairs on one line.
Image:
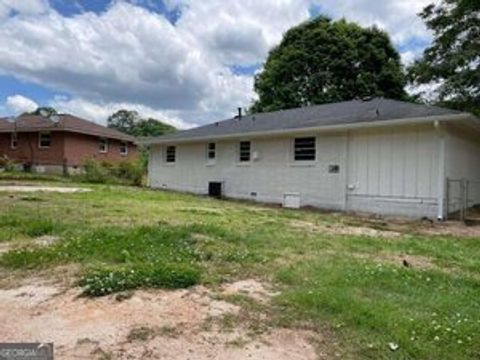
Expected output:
{"points": [[184, 62]]}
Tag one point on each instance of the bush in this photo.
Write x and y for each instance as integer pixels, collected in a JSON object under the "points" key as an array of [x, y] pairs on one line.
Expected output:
{"points": [[131, 171], [125, 172], [105, 281], [95, 172], [7, 164]]}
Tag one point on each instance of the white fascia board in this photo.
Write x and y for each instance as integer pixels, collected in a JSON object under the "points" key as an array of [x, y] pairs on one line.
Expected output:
{"points": [[307, 130]]}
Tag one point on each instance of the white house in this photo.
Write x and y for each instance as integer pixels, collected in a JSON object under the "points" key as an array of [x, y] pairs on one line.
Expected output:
{"points": [[380, 156]]}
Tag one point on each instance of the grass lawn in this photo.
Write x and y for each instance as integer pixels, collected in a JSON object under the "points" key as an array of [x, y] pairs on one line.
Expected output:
{"points": [[349, 284]]}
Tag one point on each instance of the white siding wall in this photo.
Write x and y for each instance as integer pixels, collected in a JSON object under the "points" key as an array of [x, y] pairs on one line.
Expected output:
{"points": [[394, 171], [272, 175], [462, 161]]}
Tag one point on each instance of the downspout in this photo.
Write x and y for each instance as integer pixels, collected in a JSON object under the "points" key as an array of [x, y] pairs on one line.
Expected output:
{"points": [[441, 171]]}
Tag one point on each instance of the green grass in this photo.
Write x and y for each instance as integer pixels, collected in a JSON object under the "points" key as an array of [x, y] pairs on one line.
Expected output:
{"points": [[124, 238]]}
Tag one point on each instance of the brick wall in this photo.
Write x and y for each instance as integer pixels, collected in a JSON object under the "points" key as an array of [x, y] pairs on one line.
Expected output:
{"points": [[28, 150], [79, 147], [66, 148]]}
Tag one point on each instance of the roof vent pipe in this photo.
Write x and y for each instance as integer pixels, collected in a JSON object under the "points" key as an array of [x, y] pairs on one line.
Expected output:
{"points": [[239, 113]]}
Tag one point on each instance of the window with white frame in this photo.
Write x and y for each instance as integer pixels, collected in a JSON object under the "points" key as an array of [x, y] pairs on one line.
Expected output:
{"points": [[244, 151], [305, 149], [123, 148], [103, 145], [211, 152], [44, 140], [170, 154], [14, 140]]}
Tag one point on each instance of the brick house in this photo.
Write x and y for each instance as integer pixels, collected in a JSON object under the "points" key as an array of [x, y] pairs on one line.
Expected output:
{"points": [[62, 144]]}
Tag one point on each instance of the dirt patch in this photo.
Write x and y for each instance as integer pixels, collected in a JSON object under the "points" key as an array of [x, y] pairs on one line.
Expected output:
{"points": [[27, 188], [342, 229], [46, 240], [250, 288], [149, 324], [451, 228], [5, 247], [405, 260]]}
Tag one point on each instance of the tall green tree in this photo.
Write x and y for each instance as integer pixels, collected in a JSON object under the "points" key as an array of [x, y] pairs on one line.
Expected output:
{"points": [[453, 59], [130, 122], [152, 127], [323, 61], [123, 120]]}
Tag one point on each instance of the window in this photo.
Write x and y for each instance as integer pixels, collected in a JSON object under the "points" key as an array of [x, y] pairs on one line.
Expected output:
{"points": [[103, 145], [123, 148], [170, 154], [14, 140], [44, 140], [211, 149], [244, 151], [304, 149]]}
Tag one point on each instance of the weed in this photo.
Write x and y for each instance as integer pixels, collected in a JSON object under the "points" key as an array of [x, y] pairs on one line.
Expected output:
{"points": [[142, 333], [106, 280]]}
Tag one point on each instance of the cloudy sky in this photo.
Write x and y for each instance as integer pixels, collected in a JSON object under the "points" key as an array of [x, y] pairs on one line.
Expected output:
{"points": [[185, 62]]}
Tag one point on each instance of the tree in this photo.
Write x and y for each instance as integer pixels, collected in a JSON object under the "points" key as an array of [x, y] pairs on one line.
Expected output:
{"points": [[152, 127], [453, 59], [321, 61], [123, 120], [130, 122]]}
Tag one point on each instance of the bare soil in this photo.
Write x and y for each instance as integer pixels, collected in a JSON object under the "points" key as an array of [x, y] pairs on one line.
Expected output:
{"points": [[153, 324], [342, 229], [28, 188], [394, 227]]}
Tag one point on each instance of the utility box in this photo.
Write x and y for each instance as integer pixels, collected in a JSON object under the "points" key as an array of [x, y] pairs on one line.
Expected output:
{"points": [[291, 200], [215, 189]]}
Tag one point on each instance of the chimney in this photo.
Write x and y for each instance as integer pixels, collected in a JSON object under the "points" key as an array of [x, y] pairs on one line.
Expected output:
{"points": [[239, 113]]}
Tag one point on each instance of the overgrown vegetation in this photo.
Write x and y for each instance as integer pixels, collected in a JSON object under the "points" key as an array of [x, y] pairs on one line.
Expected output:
{"points": [[131, 172], [6, 163], [125, 172], [350, 285]]}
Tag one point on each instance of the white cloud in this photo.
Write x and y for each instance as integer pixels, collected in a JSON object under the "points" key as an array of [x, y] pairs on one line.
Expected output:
{"points": [[99, 112], [23, 7], [125, 55], [398, 18], [19, 104], [128, 55], [240, 31]]}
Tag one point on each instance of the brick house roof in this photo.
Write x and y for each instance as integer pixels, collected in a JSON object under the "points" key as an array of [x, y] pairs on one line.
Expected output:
{"points": [[70, 123]]}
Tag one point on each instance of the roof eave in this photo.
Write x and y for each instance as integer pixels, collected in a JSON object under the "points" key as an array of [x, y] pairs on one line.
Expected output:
{"points": [[71, 130], [326, 128]]}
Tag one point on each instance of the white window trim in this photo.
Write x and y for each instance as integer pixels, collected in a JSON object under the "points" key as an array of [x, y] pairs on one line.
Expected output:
{"points": [[302, 163], [237, 153], [209, 161], [103, 151], [124, 153], [40, 139], [13, 138]]}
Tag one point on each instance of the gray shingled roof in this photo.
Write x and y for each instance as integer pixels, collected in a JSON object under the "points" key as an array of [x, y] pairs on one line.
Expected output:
{"points": [[341, 113], [70, 123]]}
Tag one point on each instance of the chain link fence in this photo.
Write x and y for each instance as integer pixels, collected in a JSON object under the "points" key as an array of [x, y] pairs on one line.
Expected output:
{"points": [[463, 199]]}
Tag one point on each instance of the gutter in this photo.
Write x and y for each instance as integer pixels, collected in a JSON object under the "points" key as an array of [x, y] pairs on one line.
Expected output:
{"points": [[441, 181], [327, 128]]}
